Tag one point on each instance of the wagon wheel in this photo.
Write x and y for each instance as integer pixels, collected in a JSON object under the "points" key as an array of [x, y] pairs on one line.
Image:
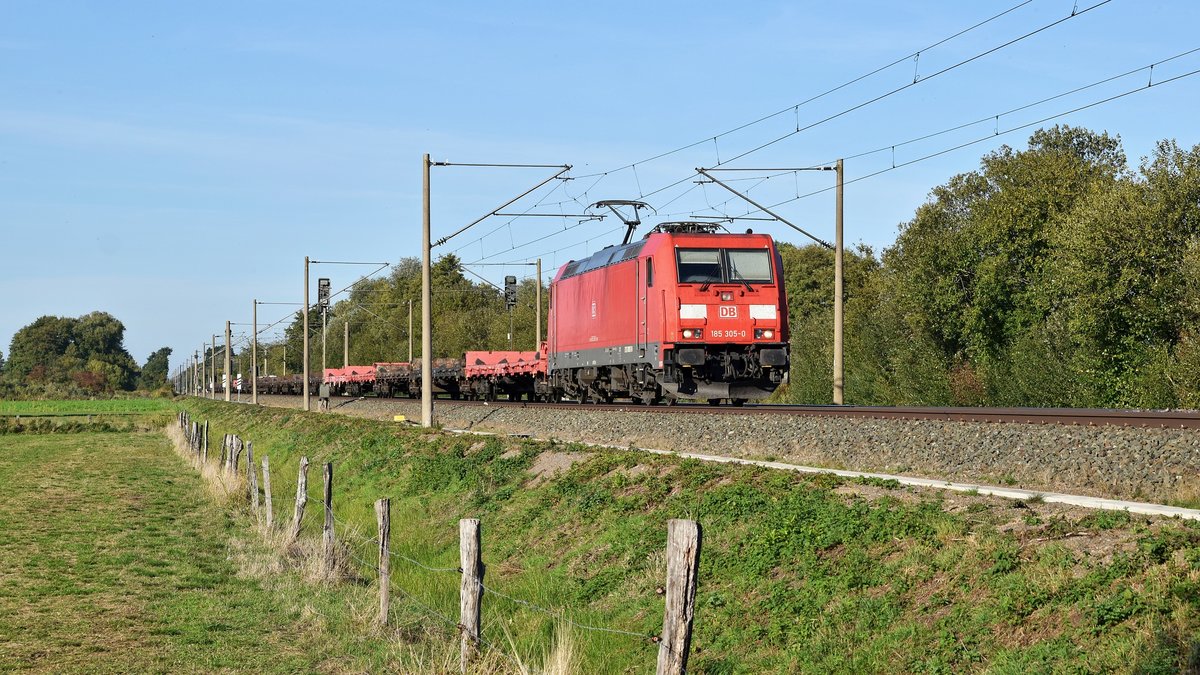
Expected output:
{"points": [[714, 401], [737, 402]]}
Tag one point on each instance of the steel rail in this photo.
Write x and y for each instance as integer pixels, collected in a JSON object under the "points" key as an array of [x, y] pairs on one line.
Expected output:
{"points": [[1164, 419], [1167, 419]]}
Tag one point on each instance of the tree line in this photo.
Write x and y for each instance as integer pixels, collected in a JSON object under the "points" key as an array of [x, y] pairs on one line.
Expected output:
{"points": [[1056, 275], [63, 357]]}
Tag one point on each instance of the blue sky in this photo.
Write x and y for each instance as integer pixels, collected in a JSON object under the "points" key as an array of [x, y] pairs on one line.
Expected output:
{"points": [[169, 162]]}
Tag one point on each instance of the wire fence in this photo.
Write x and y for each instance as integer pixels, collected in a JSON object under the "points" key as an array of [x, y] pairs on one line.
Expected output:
{"points": [[356, 547]]}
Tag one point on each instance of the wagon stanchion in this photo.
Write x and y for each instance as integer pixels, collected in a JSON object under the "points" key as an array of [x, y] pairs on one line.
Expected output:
{"points": [[471, 589], [683, 561], [301, 500]]}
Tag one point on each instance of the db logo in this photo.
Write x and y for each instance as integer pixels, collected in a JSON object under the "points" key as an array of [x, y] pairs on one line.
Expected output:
{"points": [[728, 311]]}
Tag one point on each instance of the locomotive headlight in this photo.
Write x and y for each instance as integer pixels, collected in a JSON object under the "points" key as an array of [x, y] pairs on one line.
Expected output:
{"points": [[764, 334], [688, 333], [727, 296]]}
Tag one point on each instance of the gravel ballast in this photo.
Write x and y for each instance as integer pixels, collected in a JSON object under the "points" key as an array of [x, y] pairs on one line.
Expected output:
{"points": [[1158, 465]]}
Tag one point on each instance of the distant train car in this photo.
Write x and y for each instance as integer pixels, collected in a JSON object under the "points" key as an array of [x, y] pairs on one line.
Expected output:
{"points": [[351, 380], [512, 374], [686, 312]]}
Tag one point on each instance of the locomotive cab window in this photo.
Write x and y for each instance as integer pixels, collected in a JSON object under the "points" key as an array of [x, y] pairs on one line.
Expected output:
{"points": [[753, 265], [699, 266], [724, 266], [649, 272]]}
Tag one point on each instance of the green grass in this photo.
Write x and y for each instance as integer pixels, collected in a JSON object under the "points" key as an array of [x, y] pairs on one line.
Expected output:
{"points": [[114, 558], [795, 577], [85, 407]]}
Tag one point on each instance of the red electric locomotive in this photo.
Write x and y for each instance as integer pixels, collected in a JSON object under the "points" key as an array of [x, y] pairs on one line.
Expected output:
{"points": [[686, 312]]}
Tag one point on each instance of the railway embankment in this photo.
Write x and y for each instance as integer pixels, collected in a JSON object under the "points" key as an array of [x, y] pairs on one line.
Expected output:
{"points": [[798, 573], [1144, 464]]}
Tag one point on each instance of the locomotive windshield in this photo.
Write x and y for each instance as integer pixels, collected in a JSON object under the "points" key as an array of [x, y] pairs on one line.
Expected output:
{"points": [[753, 265], [699, 266], [717, 266]]}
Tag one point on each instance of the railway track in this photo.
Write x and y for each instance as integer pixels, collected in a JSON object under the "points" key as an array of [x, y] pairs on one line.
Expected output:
{"points": [[1114, 454], [1158, 419]]}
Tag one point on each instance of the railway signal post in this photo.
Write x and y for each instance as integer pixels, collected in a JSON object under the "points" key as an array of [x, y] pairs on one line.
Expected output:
{"points": [[510, 301], [323, 302]]}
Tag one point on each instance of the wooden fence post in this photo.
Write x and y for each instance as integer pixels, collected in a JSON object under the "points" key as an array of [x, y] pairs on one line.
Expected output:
{"points": [[327, 531], [252, 482], [267, 491], [204, 451], [301, 499], [471, 590], [383, 513], [224, 450], [683, 560], [237, 454]]}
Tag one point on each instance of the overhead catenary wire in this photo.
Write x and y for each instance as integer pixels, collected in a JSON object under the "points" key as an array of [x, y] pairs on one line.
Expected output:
{"points": [[796, 106], [992, 118], [996, 117], [990, 136], [887, 94], [801, 128]]}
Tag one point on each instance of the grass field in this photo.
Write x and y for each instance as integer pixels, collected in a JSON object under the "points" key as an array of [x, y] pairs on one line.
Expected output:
{"points": [[85, 407], [114, 558], [798, 573]]}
